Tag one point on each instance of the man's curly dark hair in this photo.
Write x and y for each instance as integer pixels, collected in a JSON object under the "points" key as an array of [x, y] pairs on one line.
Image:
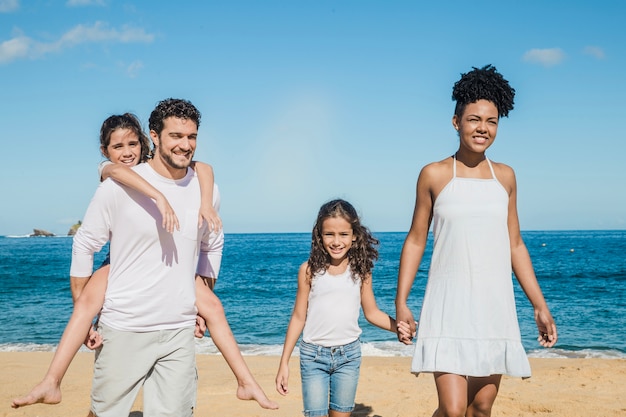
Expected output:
{"points": [[172, 107], [483, 83]]}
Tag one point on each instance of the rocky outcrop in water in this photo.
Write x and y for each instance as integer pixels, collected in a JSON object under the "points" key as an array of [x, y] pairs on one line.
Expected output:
{"points": [[74, 228], [41, 232]]}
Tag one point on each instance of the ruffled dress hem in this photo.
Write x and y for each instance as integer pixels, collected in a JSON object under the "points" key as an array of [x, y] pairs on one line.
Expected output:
{"points": [[469, 357]]}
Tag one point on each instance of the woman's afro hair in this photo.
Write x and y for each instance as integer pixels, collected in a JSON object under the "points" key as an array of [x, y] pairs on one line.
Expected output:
{"points": [[483, 83]]}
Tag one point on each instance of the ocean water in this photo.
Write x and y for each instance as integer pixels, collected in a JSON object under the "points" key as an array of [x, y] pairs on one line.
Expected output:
{"points": [[582, 275]]}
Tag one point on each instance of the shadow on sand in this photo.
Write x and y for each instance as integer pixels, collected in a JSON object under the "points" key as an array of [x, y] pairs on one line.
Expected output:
{"points": [[362, 410]]}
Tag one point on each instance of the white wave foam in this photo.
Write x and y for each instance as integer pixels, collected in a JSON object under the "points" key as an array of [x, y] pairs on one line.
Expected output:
{"points": [[26, 347], [386, 349], [573, 354], [205, 346]]}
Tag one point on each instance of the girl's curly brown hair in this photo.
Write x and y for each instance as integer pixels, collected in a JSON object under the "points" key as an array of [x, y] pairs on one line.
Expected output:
{"points": [[361, 255]]}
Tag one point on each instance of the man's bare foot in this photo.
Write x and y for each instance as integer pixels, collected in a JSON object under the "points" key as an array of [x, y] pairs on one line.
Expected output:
{"points": [[46, 392], [255, 392]]}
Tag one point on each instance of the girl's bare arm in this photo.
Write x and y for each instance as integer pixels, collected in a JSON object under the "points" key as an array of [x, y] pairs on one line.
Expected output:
{"points": [[296, 325], [126, 176], [206, 179]]}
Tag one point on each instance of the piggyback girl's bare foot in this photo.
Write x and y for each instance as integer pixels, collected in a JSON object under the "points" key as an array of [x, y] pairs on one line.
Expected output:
{"points": [[46, 392], [254, 392]]}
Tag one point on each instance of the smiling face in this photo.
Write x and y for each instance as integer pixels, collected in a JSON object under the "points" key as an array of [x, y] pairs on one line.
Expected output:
{"points": [[477, 126], [175, 145], [124, 147], [337, 238]]}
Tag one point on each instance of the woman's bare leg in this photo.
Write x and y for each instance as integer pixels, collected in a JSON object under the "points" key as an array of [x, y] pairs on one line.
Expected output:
{"points": [[481, 395], [452, 395]]}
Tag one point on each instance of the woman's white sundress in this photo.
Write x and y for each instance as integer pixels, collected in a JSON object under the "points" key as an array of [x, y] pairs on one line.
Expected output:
{"points": [[468, 323]]}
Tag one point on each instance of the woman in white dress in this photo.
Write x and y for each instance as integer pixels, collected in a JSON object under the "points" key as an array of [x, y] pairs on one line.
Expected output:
{"points": [[468, 333]]}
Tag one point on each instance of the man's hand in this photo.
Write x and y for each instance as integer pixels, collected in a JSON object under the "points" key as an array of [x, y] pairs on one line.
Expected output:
{"points": [[200, 327], [93, 339]]}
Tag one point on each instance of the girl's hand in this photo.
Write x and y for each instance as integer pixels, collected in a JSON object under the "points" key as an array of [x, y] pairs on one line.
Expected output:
{"points": [[405, 334], [211, 217], [404, 317], [170, 221], [547, 328], [282, 380]]}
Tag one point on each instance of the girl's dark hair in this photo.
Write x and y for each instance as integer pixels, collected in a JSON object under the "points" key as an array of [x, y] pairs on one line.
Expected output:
{"points": [[361, 255], [485, 83], [124, 121]]}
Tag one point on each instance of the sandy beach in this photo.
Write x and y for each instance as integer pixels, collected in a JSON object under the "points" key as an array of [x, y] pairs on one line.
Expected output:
{"points": [[559, 387]]}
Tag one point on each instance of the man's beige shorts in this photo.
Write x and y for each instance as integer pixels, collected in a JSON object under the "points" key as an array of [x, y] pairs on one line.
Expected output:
{"points": [[163, 362]]}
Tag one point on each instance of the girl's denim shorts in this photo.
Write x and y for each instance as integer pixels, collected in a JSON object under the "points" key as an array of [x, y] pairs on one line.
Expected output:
{"points": [[329, 377]]}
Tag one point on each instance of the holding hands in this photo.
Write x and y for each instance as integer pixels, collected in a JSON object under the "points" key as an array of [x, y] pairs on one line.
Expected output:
{"points": [[406, 332], [406, 324]]}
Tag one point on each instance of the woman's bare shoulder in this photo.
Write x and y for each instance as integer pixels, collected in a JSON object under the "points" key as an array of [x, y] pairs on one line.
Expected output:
{"points": [[437, 172], [505, 174]]}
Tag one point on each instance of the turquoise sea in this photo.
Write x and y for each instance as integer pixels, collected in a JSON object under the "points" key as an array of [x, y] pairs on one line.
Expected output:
{"points": [[582, 274]]}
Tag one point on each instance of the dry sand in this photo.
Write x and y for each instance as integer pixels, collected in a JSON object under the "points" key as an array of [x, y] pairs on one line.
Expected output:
{"points": [[559, 387]]}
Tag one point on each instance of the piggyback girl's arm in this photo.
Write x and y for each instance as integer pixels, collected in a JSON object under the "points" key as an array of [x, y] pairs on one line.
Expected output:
{"points": [[126, 176]]}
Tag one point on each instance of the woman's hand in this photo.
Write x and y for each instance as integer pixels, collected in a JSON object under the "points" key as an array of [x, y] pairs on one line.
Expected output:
{"points": [[547, 328], [406, 334], [405, 321]]}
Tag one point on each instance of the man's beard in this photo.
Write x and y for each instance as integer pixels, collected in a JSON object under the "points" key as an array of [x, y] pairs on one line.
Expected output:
{"points": [[167, 158]]}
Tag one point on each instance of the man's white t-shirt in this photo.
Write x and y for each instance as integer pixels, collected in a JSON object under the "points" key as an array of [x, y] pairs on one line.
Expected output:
{"points": [[151, 280]]}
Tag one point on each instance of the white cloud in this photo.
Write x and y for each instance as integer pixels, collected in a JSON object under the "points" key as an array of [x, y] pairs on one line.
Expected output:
{"points": [[24, 47], [100, 32], [594, 51], [7, 6], [15, 48], [546, 57], [80, 3], [133, 69]]}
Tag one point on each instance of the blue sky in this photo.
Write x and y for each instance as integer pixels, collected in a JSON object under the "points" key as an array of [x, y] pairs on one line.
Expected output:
{"points": [[304, 101]]}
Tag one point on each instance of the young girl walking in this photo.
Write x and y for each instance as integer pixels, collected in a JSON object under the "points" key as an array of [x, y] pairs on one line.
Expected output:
{"points": [[333, 285], [124, 144], [468, 330]]}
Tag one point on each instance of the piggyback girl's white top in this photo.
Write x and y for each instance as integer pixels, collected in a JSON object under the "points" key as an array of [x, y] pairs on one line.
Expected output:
{"points": [[332, 317]]}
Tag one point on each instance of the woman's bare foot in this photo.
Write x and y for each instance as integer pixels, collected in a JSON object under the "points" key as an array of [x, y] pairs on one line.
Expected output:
{"points": [[254, 392], [46, 392]]}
